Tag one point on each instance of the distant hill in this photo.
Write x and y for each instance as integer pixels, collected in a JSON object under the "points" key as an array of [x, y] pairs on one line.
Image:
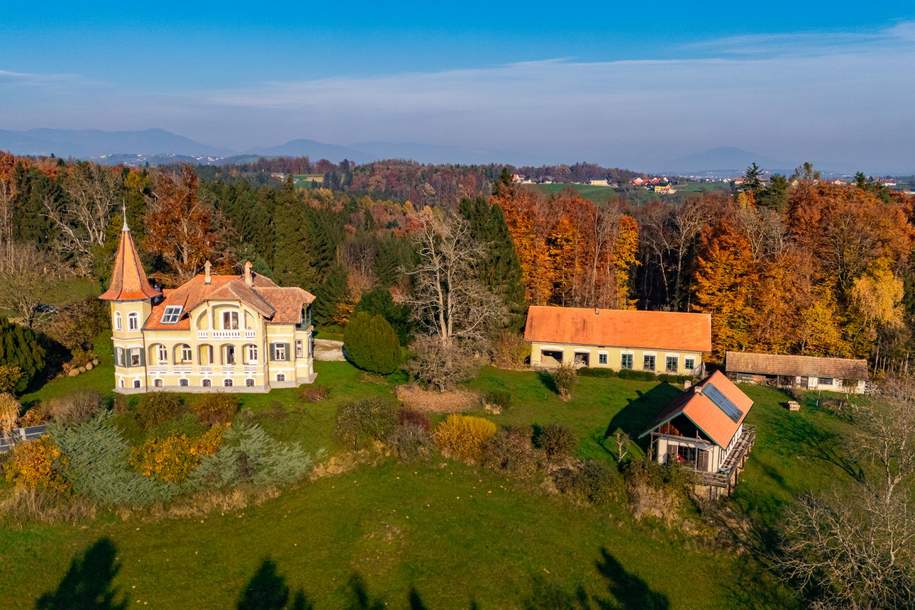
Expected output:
{"points": [[723, 158], [434, 153], [95, 143], [315, 150]]}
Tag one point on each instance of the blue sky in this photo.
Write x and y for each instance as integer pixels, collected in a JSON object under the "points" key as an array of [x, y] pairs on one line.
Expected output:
{"points": [[629, 85]]}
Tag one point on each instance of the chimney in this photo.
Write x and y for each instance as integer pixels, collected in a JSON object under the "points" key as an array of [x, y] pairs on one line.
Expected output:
{"points": [[207, 278], [249, 277]]}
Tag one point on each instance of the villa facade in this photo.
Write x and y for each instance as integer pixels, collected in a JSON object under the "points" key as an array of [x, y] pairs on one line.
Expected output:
{"points": [[213, 333]]}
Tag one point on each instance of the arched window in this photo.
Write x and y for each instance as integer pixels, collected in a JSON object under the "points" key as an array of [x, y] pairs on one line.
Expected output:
{"points": [[157, 383], [206, 383], [227, 383], [117, 320], [133, 321], [205, 354], [183, 354], [249, 382]]}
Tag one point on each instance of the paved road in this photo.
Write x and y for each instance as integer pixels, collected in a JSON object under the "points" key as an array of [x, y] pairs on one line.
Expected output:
{"points": [[20, 434]]}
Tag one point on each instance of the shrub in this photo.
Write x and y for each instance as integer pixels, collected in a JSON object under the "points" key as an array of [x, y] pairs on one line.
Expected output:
{"points": [[371, 344], [596, 372], [173, 458], [20, 347], [9, 413], [215, 409], [462, 436], [378, 301], [76, 325], [409, 441], [672, 379], [250, 455], [556, 440], [75, 408], [510, 450], [359, 423], [498, 398], [439, 366], [412, 417], [510, 350], [637, 375], [97, 465], [37, 463], [655, 491], [565, 379], [591, 481], [10, 375], [157, 408], [314, 393]]}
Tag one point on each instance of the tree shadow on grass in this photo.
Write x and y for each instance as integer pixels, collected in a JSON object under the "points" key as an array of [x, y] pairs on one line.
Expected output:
{"points": [[548, 382], [799, 436], [639, 413], [88, 583], [358, 596], [267, 590]]}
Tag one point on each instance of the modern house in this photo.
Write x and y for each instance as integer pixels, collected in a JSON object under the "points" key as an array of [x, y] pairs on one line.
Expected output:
{"points": [[807, 372], [703, 429], [215, 332], [656, 341]]}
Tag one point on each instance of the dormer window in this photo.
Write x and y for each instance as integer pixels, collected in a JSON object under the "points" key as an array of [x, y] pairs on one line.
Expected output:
{"points": [[230, 320], [172, 314]]}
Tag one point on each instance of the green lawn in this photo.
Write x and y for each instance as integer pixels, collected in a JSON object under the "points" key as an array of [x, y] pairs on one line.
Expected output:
{"points": [[453, 532]]}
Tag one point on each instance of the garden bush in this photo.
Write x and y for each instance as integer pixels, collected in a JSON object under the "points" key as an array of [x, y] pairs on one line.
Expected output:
{"points": [[96, 464], [9, 413], [655, 490], [362, 422], [314, 393], [10, 375], [672, 379], [439, 366], [409, 441], [249, 455], [637, 375], [510, 450], [462, 436], [556, 440], [565, 379], [596, 372], [498, 398], [74, 408], [411, 417], [591, 481], [37, 464], [215, 409], [157, 408], [371, 344], [378, 301], [21, 347], [173, 458], [510, 350]]}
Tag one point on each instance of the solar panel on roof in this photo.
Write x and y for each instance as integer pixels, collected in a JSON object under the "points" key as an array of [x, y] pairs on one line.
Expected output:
{"points": [[722, 402]]}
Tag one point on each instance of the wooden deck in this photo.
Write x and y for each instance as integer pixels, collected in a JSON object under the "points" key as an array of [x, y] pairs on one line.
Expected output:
{"points": [[726, 477]]}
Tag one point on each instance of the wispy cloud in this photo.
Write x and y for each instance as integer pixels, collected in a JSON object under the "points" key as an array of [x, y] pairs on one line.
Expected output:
{"points": [[11, 77]]}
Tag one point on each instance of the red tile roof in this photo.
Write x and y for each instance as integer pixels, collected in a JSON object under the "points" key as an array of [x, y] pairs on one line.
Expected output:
{"points": [[620, 328], [128, 281], [279, 305], [704, 413]]}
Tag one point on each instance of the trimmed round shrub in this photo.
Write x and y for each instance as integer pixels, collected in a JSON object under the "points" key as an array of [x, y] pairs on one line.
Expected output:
{"points": [[215, 409], [20, 347], [371, 344], [556, 440], [462, 436], [360, 423], [157, 408]]}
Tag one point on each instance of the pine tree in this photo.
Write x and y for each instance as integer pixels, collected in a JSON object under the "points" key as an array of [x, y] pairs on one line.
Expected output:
{"points": [[20, 347], [292, 247], [371, 343], [500, 269], [378, 301], [330, 294]]}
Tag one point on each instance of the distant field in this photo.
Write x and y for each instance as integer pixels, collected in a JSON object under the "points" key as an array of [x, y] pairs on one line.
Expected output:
{"points": [[604, 194]]}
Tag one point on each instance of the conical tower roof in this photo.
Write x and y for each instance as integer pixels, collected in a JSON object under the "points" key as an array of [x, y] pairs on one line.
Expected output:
{"points": [[128, 281]]}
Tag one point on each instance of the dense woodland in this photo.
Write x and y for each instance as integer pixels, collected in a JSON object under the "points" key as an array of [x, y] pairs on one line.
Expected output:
{"points": [[795, 265]]}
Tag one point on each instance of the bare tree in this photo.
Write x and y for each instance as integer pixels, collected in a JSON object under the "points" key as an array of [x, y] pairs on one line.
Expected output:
{"points": [[857, 549], [83, 217], [765, 231], [25, 278], [449, 301]]}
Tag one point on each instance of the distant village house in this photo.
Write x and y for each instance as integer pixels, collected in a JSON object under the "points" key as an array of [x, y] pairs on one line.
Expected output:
{"points": [[805, 372], [655, 341]]}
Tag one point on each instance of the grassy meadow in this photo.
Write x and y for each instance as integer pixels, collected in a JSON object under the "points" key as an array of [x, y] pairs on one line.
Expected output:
{"points": [[438, 533]]}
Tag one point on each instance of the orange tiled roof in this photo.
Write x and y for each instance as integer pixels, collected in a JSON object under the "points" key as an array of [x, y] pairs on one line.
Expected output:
{"points": [[704, 413], [279, 305], [128, 281], [620, 328]]}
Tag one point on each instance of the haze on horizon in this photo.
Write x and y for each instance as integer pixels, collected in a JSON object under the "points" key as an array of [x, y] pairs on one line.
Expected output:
{"points": [[632, 86]]}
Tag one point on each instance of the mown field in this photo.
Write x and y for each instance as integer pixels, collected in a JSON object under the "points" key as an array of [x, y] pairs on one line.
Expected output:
{"points": [[432, 534]]}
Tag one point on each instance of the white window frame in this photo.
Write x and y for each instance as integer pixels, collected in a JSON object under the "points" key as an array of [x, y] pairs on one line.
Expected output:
{"points": [[249, 383], [603, 358], [631, 357], [281, 377], [206, 383], [117, 320], [187, 353], [676, 359], [654, 360], [135, 351], [172, 314], [183, 383], [279, 352], [133, 321], [252, 353], [689, 363], [232, 318], [163, 354], [227, 382], [299, 349]]}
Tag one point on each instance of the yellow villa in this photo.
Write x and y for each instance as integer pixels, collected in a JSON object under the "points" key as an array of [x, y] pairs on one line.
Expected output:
{"points": [[213, 333]]}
